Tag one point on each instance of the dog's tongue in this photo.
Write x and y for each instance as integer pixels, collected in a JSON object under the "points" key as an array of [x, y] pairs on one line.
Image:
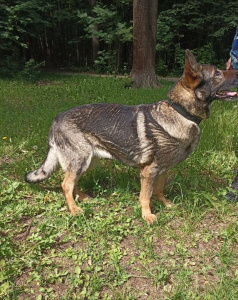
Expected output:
{"points": [[231, 94], [225, 94]]}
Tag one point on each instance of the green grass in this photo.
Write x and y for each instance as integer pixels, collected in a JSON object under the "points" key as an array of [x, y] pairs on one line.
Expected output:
{"points": [[109, 252]]}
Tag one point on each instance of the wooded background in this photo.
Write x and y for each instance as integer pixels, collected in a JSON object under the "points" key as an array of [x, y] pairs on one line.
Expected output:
{"points": [[97, 34]]}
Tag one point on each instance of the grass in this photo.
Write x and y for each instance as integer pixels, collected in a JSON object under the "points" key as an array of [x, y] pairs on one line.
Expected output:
{"points": [[109, 252]]}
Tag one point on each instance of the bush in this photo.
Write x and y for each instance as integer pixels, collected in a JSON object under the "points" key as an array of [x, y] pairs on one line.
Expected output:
{"points": [[31, 70], [9, 67]]}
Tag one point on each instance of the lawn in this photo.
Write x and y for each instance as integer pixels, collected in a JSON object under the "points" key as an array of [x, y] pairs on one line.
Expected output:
{"points": [[109, 252]]}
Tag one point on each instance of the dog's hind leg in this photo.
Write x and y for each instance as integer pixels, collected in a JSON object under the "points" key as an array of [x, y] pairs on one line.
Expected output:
{"points": [[158, 190], [148, 175], [68, 186], [83, 196]]}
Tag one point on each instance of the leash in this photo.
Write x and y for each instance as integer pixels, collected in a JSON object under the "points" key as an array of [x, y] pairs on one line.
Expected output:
{"points": [[182, 111]]}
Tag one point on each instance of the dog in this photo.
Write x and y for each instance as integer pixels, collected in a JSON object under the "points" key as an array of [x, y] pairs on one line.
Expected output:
{"points": [[154, 137]]}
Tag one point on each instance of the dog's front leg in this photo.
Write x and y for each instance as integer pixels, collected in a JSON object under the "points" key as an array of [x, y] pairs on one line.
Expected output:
{"points": [[158, 190], [148, 175]]}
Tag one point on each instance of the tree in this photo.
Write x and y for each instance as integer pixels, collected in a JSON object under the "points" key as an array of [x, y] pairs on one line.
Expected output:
{"points": [[95, 39], [145, 13]]}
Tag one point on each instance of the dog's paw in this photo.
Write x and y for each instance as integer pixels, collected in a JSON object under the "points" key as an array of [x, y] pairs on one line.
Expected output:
{"points": [[75, 210], [150, 219], [81, 196], [168, 203]]}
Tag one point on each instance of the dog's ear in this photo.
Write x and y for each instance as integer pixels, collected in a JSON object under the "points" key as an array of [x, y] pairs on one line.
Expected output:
{"points": [[192, 71], [190, 61]]}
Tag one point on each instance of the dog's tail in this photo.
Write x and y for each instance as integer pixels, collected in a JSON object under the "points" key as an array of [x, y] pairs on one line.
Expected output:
{"points": [[46, 169]]}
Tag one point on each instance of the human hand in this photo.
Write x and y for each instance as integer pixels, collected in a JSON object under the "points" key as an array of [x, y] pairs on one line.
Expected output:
{"points": [[228, 64]]}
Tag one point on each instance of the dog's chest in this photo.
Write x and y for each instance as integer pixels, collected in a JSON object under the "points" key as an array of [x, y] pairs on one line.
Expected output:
{"points": [[174, 138]]}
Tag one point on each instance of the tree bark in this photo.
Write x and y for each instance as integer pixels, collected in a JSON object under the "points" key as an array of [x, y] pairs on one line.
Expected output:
{"points": [[95, 40], [96, 44], [145, 14]]}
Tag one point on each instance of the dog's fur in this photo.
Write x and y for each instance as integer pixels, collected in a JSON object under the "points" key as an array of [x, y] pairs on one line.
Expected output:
{"points": [[155, 137]]}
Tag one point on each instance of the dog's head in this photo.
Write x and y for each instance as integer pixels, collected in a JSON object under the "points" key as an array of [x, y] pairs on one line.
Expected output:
{"points": [[201, 84]]}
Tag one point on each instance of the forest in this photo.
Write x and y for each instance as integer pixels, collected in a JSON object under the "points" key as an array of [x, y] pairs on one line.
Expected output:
{"points": [[97, 34]]}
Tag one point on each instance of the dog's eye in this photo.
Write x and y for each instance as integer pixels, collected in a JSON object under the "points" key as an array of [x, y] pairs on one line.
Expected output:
{"points": [[217, 73]]}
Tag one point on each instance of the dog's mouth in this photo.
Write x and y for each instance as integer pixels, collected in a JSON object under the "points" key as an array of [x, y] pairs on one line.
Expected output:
{"points": [[226, 95]]}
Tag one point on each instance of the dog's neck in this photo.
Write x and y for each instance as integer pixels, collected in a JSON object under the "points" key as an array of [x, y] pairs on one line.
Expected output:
{"points": [[182, 111], [186, 97]]}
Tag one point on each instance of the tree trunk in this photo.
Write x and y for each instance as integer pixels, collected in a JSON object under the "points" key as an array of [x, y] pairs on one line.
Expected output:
{"points": [[95, 40], [145, 13]]}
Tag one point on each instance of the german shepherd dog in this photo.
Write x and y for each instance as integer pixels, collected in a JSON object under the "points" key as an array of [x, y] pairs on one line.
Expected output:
{"points": [[155, 137]]}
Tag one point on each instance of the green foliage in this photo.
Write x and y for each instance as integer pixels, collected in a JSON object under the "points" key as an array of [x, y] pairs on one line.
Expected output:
{"points": [[105, 61], [60, 33], [10, 66], [31, 70], [162, 68], [204, 26], [17, 20], [112, 31], [205, 54], [13, 67]]}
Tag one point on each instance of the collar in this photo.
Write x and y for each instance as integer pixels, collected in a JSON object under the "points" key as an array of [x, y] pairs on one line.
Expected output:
{"points": [[182, 111]]}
